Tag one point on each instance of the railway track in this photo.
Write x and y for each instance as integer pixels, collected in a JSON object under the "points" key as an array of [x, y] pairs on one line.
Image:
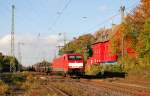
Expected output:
{"points": [[96, 90], [45, 83], [135, 86], [117, 89], [139, 82]]}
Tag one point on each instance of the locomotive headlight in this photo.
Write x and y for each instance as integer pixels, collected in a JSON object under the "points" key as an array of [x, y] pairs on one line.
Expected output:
{"points": [[76, 65]]}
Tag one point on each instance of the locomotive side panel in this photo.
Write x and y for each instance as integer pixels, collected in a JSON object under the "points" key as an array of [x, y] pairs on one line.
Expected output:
{"points": [[58, 64]]}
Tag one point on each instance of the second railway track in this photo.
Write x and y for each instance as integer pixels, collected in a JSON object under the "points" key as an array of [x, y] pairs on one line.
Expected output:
{"points": [[97, 88], [56, 90], [118, 88]]}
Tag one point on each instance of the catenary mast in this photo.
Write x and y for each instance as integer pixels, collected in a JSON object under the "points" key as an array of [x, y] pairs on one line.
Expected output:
{"points": [[122, 10], [12, 65]]}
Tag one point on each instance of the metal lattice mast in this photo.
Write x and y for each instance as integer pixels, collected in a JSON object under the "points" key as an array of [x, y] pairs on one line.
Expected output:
{"points": [[122, 10], [12, 66], [65, 41], [19, 55]]}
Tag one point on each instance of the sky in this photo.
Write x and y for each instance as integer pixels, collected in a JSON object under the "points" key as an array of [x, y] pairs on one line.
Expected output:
{"points": [[39, 22]]}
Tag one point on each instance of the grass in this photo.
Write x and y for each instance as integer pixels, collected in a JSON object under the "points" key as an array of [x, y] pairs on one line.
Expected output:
{"points": [[14, 82], [147, 74], [34, 87]]}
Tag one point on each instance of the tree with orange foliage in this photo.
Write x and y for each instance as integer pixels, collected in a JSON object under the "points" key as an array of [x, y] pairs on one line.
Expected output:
{"points": [[136, 27]]}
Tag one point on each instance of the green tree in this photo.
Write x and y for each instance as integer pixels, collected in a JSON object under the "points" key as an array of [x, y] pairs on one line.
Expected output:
{"points": [[7, 60]]}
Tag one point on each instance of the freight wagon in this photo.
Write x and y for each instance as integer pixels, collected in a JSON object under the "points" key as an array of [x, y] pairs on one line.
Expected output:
{"points": [[71, 64], [41, 67]]}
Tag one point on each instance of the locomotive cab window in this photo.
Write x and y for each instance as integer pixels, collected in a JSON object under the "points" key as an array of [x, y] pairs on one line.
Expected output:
{"points": [[75, 57], [71, 57], [78, 58]]}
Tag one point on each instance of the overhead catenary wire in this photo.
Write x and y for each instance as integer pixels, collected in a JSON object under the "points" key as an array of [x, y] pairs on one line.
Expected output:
{"points": [[109, 19], [59, 14], [103, 22], [131, 7]]}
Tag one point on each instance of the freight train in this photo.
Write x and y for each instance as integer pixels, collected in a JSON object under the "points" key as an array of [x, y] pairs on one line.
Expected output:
{"points": [[67, 64], [41, 67]]}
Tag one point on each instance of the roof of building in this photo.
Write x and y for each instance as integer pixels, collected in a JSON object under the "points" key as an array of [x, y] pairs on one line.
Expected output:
{"points": [[106, 34]]}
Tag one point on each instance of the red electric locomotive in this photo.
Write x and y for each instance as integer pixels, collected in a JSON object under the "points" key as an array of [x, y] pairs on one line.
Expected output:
{"points": [[71, 64]]}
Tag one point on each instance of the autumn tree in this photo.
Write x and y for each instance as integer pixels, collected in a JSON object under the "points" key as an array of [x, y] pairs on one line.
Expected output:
{"points": [[81, 45], [136, 31], [144, 42]]}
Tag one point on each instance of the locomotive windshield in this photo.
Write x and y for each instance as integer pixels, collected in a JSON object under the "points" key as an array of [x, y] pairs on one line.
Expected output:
{"points": [[71, 57], [78, 58]]}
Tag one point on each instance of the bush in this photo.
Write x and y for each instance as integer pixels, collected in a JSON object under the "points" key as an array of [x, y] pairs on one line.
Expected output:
{"points": [[112, 68], [29, 81], [94, 69], [4, 88], [97, 69]]}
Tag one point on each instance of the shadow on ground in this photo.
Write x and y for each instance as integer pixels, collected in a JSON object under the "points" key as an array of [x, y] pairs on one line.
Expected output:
{"points": [[106, 74]]}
